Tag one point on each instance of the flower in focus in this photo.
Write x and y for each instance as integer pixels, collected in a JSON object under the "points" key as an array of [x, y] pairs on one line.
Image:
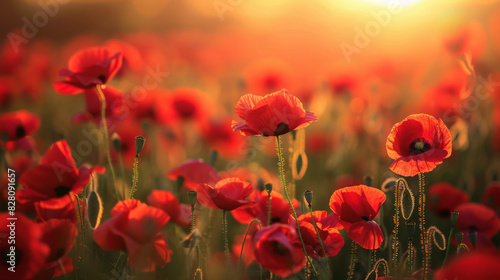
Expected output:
{"points": [[418, 144], [18, 124], [194, 172], [444, 197], [228, 194], [271, 115], [330, 236], [474, 217], [274, 249], [28, 245], [356, 207], [166, 201], [88, 68], [280, 208], [135, 227]]}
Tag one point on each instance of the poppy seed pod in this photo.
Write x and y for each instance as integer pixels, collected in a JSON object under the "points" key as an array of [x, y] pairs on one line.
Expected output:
{"points": [[139, 144], [193, 197], [116, 141], [454, 217], [410, 227], [269, 188], [308, 195]]}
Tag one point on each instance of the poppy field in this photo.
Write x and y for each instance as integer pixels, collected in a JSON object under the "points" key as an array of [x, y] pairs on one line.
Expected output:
{"points": [[253, 140]]}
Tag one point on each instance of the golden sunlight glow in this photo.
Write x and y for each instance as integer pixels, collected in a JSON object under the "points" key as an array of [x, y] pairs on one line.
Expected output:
{"points": [[394, 3]]}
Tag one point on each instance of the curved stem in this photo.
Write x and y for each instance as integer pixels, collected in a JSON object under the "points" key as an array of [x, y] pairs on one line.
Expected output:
{"points": [[280, 163], [245, 238], [106, 137], [319, 238]]}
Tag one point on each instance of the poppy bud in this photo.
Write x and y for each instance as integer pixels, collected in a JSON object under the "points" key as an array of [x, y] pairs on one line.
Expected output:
{"points": [[269, 188], [213, 157], [193, 196], [473, 238], [460, 237], [410, 227], [454, 217], [308, 195], [139, 144], [116, 141], [368, 180]]}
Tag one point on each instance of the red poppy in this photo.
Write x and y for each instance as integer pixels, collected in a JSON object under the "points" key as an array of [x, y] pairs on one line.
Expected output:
{"points": [[55, 176], [418, 144], [478, 218], [194, 172], [272, 115], [58, 208], [444, 197], [132, 58], [491, 196], [331, 238], [280, 208], [88, 68], [127, 130], [18, 124], [356, 207], [30, 252], [228, 194], [166, 201], [274, 249], [115, 109], [220, 137], [248, 257], [474, 266], [135, 227]]}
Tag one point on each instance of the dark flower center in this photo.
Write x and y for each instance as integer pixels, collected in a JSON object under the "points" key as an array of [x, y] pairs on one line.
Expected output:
{"points": [[365, 218], [61, 191], [60, 253], [418, 146], [185, 108], [279, 249], [102, 78], [281, 129], [20, 131], [275, 220]]}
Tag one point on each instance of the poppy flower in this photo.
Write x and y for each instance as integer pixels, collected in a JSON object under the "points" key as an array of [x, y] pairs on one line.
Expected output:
{"points": [[135, 227], [18, 124], [166, 201], [194, 172], [227, 194], [30, 252], [220, 137], [474, 217], [55, 176], [280, 208], [271, 115], [115, 108], [356, 207], [491, 196], [474, 266], [58, 208], [248, 257], [444, 197], [330, 236], [418, 144], [88, 68], [274, 249]]}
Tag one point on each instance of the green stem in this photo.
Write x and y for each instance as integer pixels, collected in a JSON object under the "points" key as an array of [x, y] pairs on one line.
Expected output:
{"points": [[243, 243], [61, 266], [106, 137], [122, 172], [395, 239], [226, 240], [320, 240], [280, 163], [135, 176], [352, 261], [448, 245], [421, 210], [269, 209], [192, 218]]}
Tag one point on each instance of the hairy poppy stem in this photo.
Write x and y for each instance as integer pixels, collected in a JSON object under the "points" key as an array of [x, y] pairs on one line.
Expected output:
{"points": [[106, 140], [320, 240], [243, 245], [122, 172], [226, 240], [280, 163], [135, 176], [352, 261], [395, 231], [421, 212]]}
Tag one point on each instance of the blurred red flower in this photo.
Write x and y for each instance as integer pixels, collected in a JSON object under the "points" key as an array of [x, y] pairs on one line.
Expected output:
{"points": [[55, 176], [220, 137], [330, 236], [135, 227], [418, 144], [18, 124], [274, 249], [356, 207], [280, 208], [166, 201], [444, 197], [59, 208], [272, 115], [30, 251], [474, 217], [115, 109], [88, 68], [228, 194], [491, 196], [194, 172], [474, 266]]}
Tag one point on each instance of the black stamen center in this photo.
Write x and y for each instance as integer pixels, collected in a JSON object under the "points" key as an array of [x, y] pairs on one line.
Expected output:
{"points": [[275, 220], [61, 191], [365, 218], [419, 145], [281, 129], [279, 248], [102, 78], [20, 131]]}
